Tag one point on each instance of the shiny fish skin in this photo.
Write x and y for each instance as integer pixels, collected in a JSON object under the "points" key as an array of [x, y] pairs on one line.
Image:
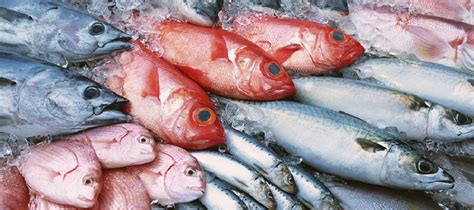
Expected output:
{"points": [[342, 145], [312, 192], [13, 189], [218, 195], [227, 168], [283, 200], [194, 205], [256, 155], [199, 12], [384, 108], [39, 203], [38, 100], [439, 84], [248, 200]]}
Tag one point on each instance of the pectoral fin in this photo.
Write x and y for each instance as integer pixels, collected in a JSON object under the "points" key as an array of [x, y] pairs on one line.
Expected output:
{"points": [[6, 120], [6, 82], [13, 16], [282, 54], [427, 44], [369, 145]]}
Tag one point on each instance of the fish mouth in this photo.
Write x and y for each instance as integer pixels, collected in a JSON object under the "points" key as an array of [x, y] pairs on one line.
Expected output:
{"points": [[121, 42], [87, 200], [109, 114]]}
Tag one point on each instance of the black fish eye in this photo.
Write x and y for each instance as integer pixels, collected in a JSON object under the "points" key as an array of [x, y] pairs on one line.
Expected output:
{"points": [[87, 180], [461, 119], [338, 36], [97, 28], [190, 171], [143, 139], [91, 92], [204, 115], [425, 167], [274, 69]]}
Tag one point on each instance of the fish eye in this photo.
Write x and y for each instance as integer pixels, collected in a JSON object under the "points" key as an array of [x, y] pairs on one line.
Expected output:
{"points": [[274, 69], [189, 171], [461, 119], [204, 116], [337, 35], [269, 194], [97, 28], [91, 92], [288, 179], [425, 167], [144, 139], [87, 181]]}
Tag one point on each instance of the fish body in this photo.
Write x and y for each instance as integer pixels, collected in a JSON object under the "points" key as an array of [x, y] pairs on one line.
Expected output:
{"points": [[342, 145], [284, 200], [166, 101], [13, 189], [303, 46], [248, 150], [219, 196], [200, 12], [242, 177], [195, 205], [385, 108], [72, 35], [248, 200], [134, 143], [39, 203], [52, 170], [39, 100], [433, 82], [221, 62], [175, 176]]}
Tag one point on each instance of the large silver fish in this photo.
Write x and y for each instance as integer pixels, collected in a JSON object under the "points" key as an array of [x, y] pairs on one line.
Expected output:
{"points": [[342, 145], [56, 33], [385, 108], [218, 195], [38, 99], [440, 84]]}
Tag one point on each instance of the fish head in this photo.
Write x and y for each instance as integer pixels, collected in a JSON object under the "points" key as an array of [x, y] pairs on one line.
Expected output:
{"points": [[263, 193], [83, 186], [407, 169], [447, 124], [283, 178], [138, 144], [259, 75], [203, 13], [81, 36]]}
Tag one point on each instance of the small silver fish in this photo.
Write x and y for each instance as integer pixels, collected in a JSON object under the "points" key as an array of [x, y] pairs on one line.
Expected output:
{"points": [[283, 200], [219, 196], [248, 200]]}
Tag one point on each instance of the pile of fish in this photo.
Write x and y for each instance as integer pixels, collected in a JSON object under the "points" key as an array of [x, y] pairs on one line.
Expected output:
{"points": [[236, 104]]}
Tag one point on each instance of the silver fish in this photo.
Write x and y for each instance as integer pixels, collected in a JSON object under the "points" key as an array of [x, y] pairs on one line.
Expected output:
{"points": [[440, 84], [219, 196], [339, 144], [38, 100], [249, 201], [200, 12], [312, 192], [466, 165], [227, 168], [284, 200], [256, 155], [195, 205], [57, 33], [385, 108]]}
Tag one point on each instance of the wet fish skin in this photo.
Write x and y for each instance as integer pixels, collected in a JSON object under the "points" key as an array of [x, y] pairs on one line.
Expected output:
{"points": [[256, 155], [39, 100], [200, 12], [248, 200], [13, 189], [284, 200], [52, 170], [39, 203], [219, 196], [74, 35], [242, 177], [437, 83], [329, 141], [195, 205], [312, 192]]}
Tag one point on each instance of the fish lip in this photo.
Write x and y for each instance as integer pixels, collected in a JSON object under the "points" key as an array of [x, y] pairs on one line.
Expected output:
{"points": [[121, 42], [109, 114], [83, 198]]}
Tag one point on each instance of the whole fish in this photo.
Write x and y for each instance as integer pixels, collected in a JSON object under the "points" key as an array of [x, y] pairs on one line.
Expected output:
{"points": [[195, 205], [122, 190], [163, 99], [71, 35], [64, 172], [302, 46], [248, 200], [134, 143], [342, 145], [312, 192], [284, 200], [385, 108], [219, 196], [221, 62], [393, 32], [436, 83], [13, 189], [175, 176], [261, 158], [40, 203], [227, 168], [39, 99], [200, 12]]}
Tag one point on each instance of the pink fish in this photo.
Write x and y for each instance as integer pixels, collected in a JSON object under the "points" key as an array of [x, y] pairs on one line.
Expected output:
{"points": [[173, 177], [13, 190], [64, 172], [133, 142], [39, 203]]}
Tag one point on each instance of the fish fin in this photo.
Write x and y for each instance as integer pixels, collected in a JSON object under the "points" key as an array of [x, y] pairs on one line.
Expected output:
{"points": [[282, 54], [428, 45], [260, 170], [369, 145], [306, 202], [392, 131], [219, 49], [6, 120], [342, 112], [471, 81], [6, 82], [12, 16], [241, 182]]}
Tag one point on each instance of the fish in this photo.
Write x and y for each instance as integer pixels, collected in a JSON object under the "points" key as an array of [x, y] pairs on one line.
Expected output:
{"points": [[339, 5], [219, 196], [341, 145], [398, 33], [221, 62], [230, 170], [410, 116], [302, 46], [134, 143], [194, 205], [248, 150], [248, 200], [311, 192], [284, 200], [199, 12], [456, 149], [167, 102], [52, 170], [13, 189], [39, 203], [72, 35], [465, 165], [175, 176], [122, 190], [433, 82], [40, 100]]}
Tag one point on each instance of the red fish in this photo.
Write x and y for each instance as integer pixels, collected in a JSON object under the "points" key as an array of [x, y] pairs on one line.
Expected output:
{"points": [[163, 99], [222, 62], [13, 191], [39, 203], [303, 46]]}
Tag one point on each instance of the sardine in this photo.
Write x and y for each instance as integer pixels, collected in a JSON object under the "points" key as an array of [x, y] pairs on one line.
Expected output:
{"points": [[248, 200], [219, 196], [283, 200]]}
